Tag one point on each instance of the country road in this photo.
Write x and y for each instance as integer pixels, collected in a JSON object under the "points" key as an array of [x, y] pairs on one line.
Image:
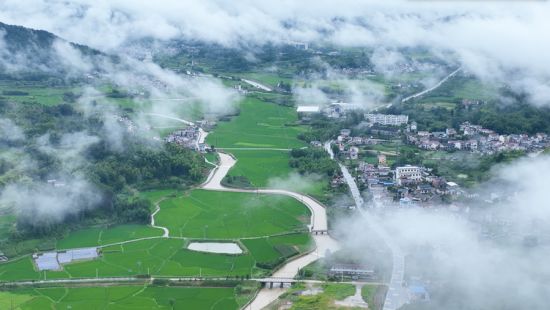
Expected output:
{"points": [[431, 88], [318, 222], [202, 134], [257, 85], [397, 294], [166, 233], [213, 182]]}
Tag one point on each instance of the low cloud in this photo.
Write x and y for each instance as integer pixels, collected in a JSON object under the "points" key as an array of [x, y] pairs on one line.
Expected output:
{"points": [[487, 256], [295, 182], [9, 131], [43, 204]]}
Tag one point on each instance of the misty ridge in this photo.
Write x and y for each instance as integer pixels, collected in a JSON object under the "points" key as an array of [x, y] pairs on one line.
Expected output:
{"points": [[478, 37], [86, 166]]}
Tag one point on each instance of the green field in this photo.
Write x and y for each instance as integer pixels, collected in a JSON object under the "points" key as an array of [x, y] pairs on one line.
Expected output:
{"points": [[119, 297], [271, 248], [270, 79], [40, 94], [103, 236], [270, 169], [223, 215], [157, 195], [259, 125], [50, 96], [198, 214], [260, 166], [166, 257], [160, 257], [6, 222]]}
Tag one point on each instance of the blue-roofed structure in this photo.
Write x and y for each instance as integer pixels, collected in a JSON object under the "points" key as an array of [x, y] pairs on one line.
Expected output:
{"points": [[418, 292]]}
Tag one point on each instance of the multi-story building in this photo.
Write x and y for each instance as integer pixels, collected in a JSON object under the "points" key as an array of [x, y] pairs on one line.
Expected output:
{"points": [[387, 119], [407, 174]]}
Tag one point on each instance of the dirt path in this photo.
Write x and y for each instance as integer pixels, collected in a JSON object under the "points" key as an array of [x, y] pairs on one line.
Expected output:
{"points": [[157, 209]]}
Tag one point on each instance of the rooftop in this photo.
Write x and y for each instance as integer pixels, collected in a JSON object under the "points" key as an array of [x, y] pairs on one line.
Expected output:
{"points": [[308, 109]]}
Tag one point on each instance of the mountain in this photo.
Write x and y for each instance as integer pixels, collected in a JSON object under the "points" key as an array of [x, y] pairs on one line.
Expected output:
{"points": [[24, 50]]}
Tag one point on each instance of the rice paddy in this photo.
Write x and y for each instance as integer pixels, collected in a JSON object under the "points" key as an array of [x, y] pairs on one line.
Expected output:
{"points": [[119, 297]]}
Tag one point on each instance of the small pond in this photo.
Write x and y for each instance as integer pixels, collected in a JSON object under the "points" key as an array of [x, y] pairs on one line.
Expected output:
{"points": [[216, 247]]}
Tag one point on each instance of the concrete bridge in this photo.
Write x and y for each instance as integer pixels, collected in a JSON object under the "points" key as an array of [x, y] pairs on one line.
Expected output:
{"points": [[319, 232]]}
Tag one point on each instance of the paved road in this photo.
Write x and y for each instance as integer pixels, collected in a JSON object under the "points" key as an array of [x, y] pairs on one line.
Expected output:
{"points": [[202, 134], [172, 118], [252, 149], [397, 294], [431, 88], [318, 221], [257, 85], [213, 182]]}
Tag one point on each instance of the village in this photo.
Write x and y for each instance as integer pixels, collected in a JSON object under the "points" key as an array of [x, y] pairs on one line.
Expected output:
{"points": [[474, 138], [407, 184]]}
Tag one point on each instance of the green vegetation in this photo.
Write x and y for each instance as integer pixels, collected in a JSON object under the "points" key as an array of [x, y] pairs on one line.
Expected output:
{"points": [[168, 257], [374, 295], [270, 251], [114, 176], [313, 160], [101, 236], [120, 297], [464, 168], [159, 257], [270, 79], [260, 166], [223, 215], [444, 108], [258, 125], [324, 300]]}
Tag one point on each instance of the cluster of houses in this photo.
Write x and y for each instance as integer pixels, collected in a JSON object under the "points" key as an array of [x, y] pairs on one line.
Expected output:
{"points": [[475, 138], [348, 145], [131, 127], [55, 183], [404, 186], [188, 137]]}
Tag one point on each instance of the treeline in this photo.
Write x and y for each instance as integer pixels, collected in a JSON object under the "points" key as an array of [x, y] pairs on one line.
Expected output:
{"points": [[119, 176], [515, 116], [117, 173], [313, 160], [324, 128]]}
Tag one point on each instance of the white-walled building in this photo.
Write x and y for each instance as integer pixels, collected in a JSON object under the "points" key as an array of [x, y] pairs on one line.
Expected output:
{"points": [[407, 173], [308, 109], [387, 119]]}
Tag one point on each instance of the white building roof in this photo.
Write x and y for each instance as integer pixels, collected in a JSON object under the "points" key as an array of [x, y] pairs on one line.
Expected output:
{"points": [[308, 109]]}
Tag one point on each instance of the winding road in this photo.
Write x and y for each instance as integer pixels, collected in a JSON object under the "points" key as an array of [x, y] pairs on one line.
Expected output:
{"points": [[166, 233], [318, 222]]}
